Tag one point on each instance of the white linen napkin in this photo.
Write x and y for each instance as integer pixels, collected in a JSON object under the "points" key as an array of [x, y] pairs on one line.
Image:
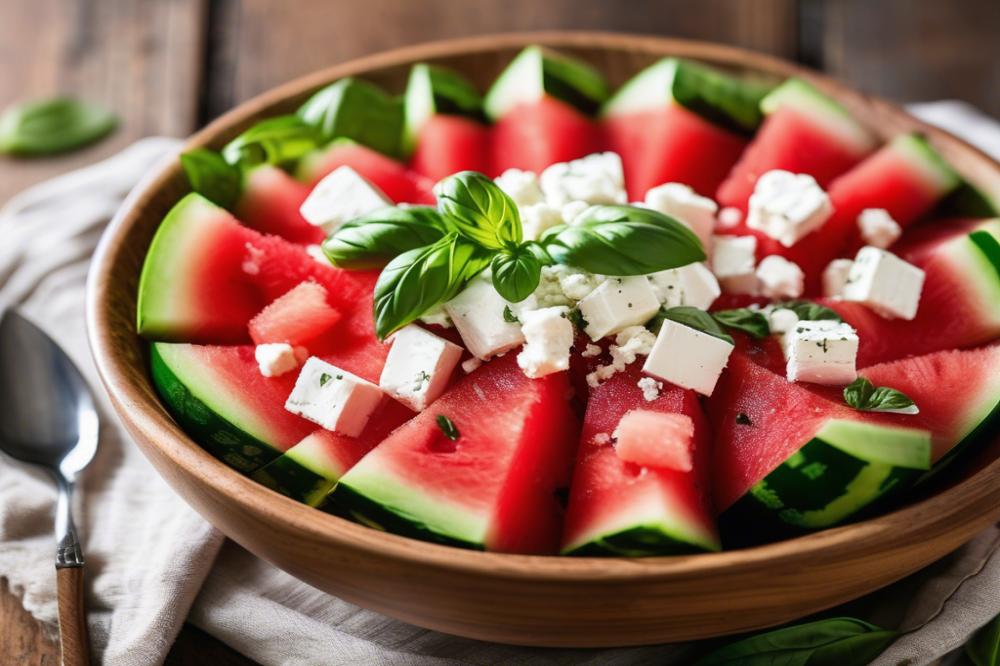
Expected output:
{"points": [[150, 558]]}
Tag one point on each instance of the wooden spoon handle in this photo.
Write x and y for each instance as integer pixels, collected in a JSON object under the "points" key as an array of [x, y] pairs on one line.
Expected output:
{"points": [[72, 618]]}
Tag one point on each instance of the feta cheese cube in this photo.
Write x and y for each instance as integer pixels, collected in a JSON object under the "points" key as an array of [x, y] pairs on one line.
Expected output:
{"points": [[275, 358], [787, 206], [478, 314], [885, 283], [878, 228], [596, 179], [536, 218], [779, 278], [340, 197], [835, 277], [781, 320], [733, 261], [680, 202], [521, 186], [418, 367], [729, 217], [687, 357], [333, 398], [821, 352], [618, 303], [692, 285], [548, 337]]}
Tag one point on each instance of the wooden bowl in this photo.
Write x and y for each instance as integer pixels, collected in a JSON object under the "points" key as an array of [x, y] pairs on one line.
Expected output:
{"points": [[528, 600]]}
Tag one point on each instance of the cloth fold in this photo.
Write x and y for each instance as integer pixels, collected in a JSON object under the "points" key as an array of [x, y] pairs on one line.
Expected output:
{"points": [[151, 560]]}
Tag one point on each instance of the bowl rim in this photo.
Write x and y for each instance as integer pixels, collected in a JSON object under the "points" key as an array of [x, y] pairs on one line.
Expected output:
{"points": [[148, 417]]}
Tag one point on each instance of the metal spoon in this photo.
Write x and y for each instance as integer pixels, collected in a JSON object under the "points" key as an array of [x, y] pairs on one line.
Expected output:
{"points": [[48, 419]]}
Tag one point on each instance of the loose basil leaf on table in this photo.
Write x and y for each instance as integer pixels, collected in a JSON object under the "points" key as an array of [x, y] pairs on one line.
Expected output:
{"points": [[623, 240], [689, 316], [47, 127], [373, 240], [479, 209], [419, 279], [517, 271], [211, 176], [749, 321], [861, 394], [273, 141], [840, 641], [983, 649], [808, 311]]}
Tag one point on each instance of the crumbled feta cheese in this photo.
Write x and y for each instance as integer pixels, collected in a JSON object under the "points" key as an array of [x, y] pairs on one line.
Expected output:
{"points": [[275, 358], [687, 357], [521, 186], [341, 196], [536, 218], [729, 217], [478, 314], [596, 179], [618, 303], [885, 283], [630, 344], [548, 335], [418, 367], [571, 211], [878, 228], [436, 317], [778, 277], [781, 320], [470, 365], [333, 398], [680, 202], [733, 261], [835, 277], [590, 351], [602, 438], [787, 206], [692, 285], [821, 352], [650, 388]]}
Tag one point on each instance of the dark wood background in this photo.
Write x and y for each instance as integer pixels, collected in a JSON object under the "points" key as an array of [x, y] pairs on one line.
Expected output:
{"points": [[168, 66]]}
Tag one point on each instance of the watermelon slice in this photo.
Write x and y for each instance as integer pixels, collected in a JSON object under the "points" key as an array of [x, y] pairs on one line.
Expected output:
{"points": [[296, 318], [680, 122], [619, 508], [270, 204], [491, 489], [804, 132], [393, 178]]}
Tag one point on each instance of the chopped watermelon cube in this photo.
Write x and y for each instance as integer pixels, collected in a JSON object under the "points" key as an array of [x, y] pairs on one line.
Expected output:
{"points": [[655, 439], [296, 318]]}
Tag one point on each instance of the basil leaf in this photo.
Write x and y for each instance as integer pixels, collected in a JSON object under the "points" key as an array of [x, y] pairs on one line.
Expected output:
{"points": [[509, 316], [861, 394], [744, 319], [808, 311], [419, 279], [212, 176], [46, 127], [983, 649], [273, 141], [516, 272], [623, 240], [479, 209], [689, 316], [374, 239], [841, 641]]}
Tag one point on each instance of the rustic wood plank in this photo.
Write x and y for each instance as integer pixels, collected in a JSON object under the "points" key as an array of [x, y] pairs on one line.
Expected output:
{"points": [[22, 640]]}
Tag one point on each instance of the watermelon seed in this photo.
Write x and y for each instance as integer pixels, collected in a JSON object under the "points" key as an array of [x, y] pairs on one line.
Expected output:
{"points": [[743, 419]]}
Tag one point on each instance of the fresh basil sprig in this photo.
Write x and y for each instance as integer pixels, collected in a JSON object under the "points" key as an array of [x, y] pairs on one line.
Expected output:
{"points": [[273, 141], [749, 321], [623, 240], [808, 311], [479, 209], [517, 271], [689, 316], [983, 649], [861, 394], [840, 641], [46, 127], [212, 176], [374, 239]]}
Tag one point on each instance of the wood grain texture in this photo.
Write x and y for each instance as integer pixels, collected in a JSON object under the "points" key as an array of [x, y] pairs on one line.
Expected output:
{"points": [[74, 645], [512, 598], [23, 639]]}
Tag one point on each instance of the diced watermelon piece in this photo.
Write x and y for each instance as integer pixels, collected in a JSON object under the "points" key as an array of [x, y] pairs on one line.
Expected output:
{"points": [[296, 318], [491, 489], [270, 204], [654, 439], [534, 135], [449, 144], [619, 508], [393, 178]]}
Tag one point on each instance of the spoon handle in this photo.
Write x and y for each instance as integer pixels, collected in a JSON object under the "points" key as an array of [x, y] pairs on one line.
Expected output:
{"points": [[72, 619]]}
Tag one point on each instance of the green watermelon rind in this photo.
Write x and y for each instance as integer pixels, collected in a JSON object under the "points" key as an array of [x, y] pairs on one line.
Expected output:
{"points": [[983, 428], [359, 110], [936, 172], [197, 401], [302, 473], [640, 541], [810, 102], [975, 259], [429, 90]]}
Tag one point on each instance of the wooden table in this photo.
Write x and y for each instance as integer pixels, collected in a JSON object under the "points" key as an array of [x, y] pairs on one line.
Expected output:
{"points": [[168, 66]]}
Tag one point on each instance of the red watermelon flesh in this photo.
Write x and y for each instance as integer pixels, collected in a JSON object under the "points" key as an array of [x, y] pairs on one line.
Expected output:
{"points": [[270, 204], [296, 318], [393, 178], [655, 439], [532, 136], [448, 144], [671, 145], [921, 240]]}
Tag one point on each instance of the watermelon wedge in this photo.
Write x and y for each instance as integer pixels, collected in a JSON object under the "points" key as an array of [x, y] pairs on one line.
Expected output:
{"points": [[270, 204], [494, 487], [619, 508], [392, 177]]}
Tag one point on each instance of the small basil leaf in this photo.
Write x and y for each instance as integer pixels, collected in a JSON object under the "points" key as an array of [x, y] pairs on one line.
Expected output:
{"points": [[841, 641], [479, 209], [749, 321], [808, 311], [46, 127], [983, 649], [861, 394], [212, 176], [516, 272], [419, 279], [693, 317], [273, 141], [623, 240], [375, 239], [509, 316]]}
